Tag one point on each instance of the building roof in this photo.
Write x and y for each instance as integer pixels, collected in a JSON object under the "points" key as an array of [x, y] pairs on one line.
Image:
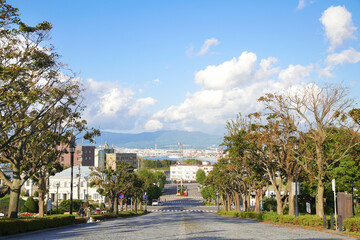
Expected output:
{"points": [[84, 172], [187, 165]]}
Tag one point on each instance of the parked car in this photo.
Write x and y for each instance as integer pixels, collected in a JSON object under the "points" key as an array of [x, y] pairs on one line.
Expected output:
{"points": [[155, 202], [160, 203]]}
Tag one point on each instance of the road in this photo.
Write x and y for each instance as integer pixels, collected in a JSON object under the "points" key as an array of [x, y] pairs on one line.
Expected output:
{"points": [[179, 218]]}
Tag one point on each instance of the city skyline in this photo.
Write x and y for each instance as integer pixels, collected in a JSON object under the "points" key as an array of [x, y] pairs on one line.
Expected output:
{"points": [[192, 66]]}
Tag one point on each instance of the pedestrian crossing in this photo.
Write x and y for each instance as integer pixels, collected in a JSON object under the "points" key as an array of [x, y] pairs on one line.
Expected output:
{"points": [[175, 210]]}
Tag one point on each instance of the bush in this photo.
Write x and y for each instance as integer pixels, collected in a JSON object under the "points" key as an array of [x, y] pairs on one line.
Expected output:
{"points": [[270, 217], [286, 218], [269, 204], [309, 220], [79, 220], [64, 206], [30, 206], [27, 224], [36, 194], [352, 224]]}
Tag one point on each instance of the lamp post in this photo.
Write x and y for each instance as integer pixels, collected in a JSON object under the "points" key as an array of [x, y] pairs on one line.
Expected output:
{"points": [[352, 196], [296, 187], [57, 196], [72, 151]]}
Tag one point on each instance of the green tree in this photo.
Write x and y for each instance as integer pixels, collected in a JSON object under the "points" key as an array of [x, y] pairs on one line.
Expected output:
{"points": [[30, 206], [200, 176], [36, 96], [192, 161]]}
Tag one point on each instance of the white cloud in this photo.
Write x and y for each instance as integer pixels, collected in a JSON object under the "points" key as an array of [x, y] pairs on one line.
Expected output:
{"points": [[295, 73], [156, 80], [338, 25], [227, 74], [227, 89], [301, 5], [110, 106], [346, 56], [206, 46], [153, 125]]}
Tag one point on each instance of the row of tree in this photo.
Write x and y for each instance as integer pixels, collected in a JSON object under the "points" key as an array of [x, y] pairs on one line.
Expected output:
{"points": [[112, 183], [40, 106], [310, 132]]}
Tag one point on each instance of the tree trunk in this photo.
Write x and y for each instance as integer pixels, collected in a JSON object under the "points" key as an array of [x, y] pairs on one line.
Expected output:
{"points": [[320, 199], [248, 202], [279, 203], [41, 191], [291, 199], [257, 202], [135, 205], [14, 198], [244, 202], [116, 205], [41, 203], [228, 202]]}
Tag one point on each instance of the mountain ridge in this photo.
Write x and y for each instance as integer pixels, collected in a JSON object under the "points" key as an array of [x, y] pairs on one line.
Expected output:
{"points": [[164, 139]]}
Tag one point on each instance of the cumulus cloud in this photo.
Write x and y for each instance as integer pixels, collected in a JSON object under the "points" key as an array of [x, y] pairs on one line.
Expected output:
{"points": [[227, 89], [228, 74], [206, 46], [350, 56], [110, 106], [338, 25], [153, 125]]}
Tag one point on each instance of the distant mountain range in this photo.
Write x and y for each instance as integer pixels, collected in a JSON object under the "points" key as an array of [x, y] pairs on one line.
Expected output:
{"points": [[163, 139]]}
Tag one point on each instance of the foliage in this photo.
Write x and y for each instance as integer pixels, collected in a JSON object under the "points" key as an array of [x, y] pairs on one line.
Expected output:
{"points": [[157, 164], [40, 102], [200, 176], [79, 220], [269, 204], [208, 193], [352, 224], [192, 161], [30, 206], [64, 206], [13, 226], [153, 192]]}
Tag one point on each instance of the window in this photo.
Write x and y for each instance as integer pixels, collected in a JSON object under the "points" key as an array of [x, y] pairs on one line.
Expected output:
{"points": [[82, 184], [62, 159], [65, 184], [95, 196]]}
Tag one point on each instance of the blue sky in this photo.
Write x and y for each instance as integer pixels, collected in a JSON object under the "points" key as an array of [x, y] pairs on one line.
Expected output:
{"points": [[193, 65]]}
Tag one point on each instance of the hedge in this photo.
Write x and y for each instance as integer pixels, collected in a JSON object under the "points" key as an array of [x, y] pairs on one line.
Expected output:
{"points": [[21, 225], [352, 224], [304, 220], [121, 214]]}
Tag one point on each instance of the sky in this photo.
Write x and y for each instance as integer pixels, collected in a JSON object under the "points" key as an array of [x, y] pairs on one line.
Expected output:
{"points": [[193, 65]]}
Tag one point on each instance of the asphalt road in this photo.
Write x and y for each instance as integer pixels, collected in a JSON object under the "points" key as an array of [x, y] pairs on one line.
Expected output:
{"points": [[182, 218]]}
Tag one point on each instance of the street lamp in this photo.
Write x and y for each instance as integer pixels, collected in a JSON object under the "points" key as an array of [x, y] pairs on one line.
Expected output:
{"points": [[57, 196], [296, 147], [72, 151], [352, 196]]}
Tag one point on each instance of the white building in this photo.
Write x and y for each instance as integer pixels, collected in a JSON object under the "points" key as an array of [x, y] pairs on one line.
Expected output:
{"points": [[187, 172], [81, 187]]}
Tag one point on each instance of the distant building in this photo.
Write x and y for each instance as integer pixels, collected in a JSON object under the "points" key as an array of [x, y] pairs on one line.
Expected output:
{"points": [[83, 155], [81, 188], [187, 172], [115, 158], [100, 155]]}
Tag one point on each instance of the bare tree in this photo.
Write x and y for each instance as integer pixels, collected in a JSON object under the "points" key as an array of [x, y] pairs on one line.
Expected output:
{"points": [[317, 112]]}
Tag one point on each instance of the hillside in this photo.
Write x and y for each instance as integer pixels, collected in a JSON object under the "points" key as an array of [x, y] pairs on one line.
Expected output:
{"points": [[163, 139]]}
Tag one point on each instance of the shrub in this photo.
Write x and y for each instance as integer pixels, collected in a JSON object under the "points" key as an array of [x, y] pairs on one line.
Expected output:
{"points": [[270, 217], [309, 220], [29, 206], [27, 224], [286, 218], [79, 220], [36, 194], [64, 206], [269, 204], [352, 224]]}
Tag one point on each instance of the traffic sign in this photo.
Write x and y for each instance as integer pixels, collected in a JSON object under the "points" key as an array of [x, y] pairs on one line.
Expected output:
{"points": [[121, 195]]}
